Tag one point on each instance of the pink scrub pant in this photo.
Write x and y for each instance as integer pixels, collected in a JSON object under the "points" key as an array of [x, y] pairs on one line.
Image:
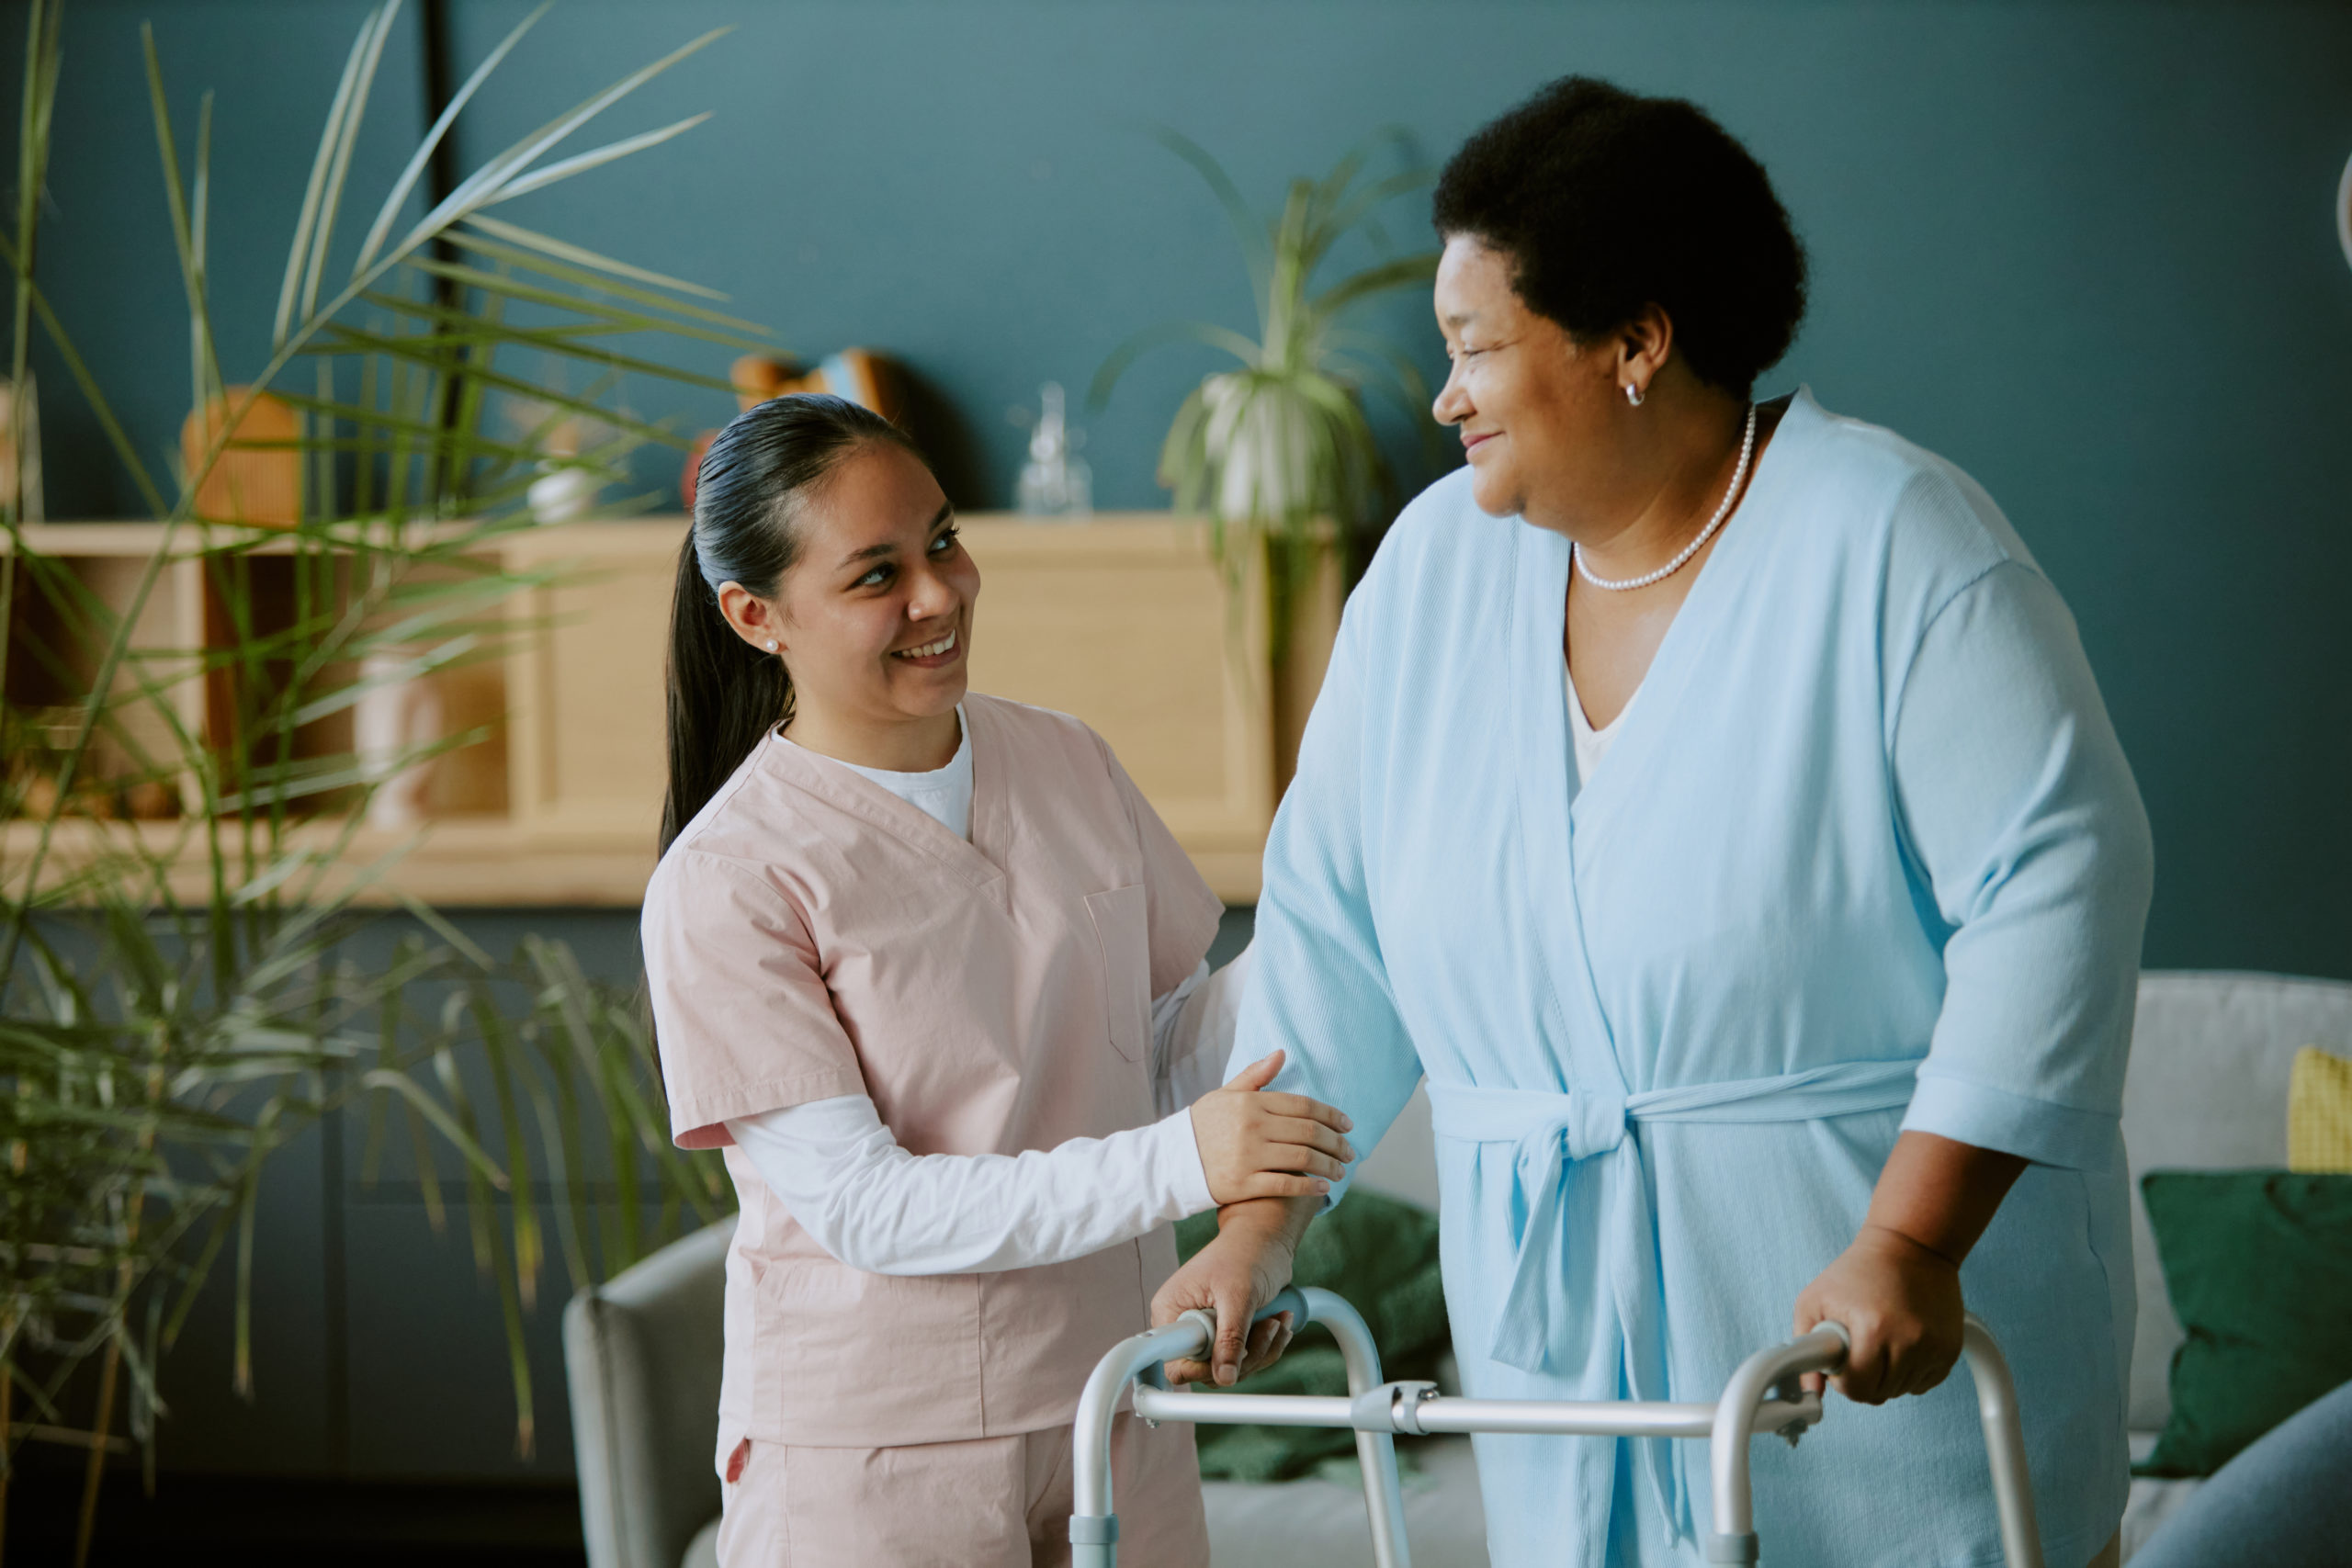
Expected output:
{"points": [[988, 1502]]}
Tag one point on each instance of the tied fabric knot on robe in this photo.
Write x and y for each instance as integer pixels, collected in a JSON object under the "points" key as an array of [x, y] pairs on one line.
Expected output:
{"points": [[1553, 1133]]}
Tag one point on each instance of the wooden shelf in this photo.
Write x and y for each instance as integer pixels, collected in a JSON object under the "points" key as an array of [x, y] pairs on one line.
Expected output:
{"points": [[1122, 620]]}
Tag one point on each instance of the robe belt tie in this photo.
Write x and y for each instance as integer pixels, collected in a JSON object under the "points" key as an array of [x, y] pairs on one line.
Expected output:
{"points": [[1554, 1131], [1563, 1140]]}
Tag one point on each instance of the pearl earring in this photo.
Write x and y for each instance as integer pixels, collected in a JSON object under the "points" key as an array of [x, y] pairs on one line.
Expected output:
{"points": [[771, 645], [1633, 394]]}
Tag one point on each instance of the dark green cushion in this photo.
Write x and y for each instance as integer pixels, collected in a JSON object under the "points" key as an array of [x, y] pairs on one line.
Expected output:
{"points": [[2259, 1263], [1381, 1256]]}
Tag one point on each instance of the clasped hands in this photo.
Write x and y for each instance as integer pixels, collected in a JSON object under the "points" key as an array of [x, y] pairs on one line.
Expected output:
{"points": [[1270, 1159]]}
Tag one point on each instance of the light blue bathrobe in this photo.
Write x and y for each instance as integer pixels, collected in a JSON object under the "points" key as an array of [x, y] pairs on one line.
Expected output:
{"points": [[1865, 856]]}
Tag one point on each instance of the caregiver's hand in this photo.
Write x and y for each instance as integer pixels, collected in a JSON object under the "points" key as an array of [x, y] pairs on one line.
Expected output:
{"points": [[1243, 1268], [1255, 1145], [1896, 1289]]}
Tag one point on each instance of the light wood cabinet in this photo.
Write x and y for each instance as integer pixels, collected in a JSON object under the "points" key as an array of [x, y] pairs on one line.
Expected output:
{"points": [[1123, 621]]}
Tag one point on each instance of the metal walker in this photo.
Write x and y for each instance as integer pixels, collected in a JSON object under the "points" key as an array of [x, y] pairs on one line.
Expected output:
{"points": [[1762, 1397]]}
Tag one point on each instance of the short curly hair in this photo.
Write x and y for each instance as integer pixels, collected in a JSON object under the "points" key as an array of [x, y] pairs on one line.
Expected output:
{"points": [[1606, 201]]}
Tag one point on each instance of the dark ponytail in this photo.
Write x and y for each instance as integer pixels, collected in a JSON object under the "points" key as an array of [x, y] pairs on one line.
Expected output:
{"points": [[724, 695]]}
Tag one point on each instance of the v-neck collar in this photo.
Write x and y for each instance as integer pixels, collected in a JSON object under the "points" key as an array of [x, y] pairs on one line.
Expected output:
{"points": [[978, 863], [1564, 820], [1597, 806]]}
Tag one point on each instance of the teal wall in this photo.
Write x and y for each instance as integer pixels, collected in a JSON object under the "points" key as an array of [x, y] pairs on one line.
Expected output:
{"points": [[2085, 250]]}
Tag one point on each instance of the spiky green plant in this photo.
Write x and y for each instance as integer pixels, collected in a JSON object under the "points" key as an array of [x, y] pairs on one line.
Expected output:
{"points": [[1281, 446], [177, 998]]}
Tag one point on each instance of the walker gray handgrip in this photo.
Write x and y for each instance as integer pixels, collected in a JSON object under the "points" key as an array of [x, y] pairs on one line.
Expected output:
{"points": [[1286, 1300]]}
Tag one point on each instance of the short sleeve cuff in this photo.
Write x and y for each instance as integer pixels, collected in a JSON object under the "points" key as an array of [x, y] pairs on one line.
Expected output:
{"points": [[2035, 1130], [700, 1122]]}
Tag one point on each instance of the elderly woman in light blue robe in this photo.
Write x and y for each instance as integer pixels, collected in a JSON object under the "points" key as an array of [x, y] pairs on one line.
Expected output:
{"points": [[1773, 960]]}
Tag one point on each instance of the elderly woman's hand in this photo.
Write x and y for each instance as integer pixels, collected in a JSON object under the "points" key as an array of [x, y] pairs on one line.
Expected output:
{"points": [[1896, 1289], [1900, 1304], [1241, 1269]]}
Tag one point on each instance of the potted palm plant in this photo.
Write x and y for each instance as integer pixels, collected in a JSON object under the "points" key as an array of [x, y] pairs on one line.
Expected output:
{"points": [[176, 998], [1278, 449]]}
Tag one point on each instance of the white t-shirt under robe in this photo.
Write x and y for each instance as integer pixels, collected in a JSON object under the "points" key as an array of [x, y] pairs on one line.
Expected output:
{"points": [[1590, 745]]}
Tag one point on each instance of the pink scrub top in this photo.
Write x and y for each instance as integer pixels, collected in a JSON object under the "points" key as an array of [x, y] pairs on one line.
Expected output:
{"points": [[809, 934]]}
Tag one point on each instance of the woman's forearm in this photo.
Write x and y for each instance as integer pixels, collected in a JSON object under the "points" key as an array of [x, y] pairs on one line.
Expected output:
{"points": [[1896, 1289], [1280, 1221], [878, 1207], [1939, 1194]]}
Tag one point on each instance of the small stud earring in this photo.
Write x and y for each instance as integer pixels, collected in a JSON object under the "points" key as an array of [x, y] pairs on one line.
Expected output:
{"points": [[771, 645], [1633, 394]]}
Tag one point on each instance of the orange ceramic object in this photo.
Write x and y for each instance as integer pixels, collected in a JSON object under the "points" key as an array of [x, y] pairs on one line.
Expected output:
{"points": [[860, 375], [250, 482]]}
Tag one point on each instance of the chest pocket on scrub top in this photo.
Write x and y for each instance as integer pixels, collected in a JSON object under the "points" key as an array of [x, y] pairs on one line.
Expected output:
{"points": [[1122, 933]]}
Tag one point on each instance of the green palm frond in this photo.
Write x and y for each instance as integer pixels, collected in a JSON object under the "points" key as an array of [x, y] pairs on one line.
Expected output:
{"points": [[183, 998]]}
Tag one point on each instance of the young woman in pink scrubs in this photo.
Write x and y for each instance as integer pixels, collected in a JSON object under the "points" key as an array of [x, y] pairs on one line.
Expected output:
{"points": [[930, 970]]}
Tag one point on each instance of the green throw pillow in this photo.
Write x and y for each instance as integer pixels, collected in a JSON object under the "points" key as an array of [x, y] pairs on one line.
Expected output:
{"points": [[2259, 1263], [1381, 1256]]}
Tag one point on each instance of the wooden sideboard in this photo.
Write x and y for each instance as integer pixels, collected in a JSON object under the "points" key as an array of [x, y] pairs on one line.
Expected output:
{"points": [[1123, 621]]}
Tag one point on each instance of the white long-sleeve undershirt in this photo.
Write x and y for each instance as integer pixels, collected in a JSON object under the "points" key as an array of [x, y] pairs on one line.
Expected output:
{"points": [[875, 1205]]}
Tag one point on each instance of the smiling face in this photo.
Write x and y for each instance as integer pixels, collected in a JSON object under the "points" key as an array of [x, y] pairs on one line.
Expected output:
{"points": [[874, 620], [1539, 414]]}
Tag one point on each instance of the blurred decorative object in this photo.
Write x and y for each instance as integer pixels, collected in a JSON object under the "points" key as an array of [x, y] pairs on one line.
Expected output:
{"points": [[866, 378], [109, 785], [394, 726], [693, 469], [564, 493], [1055, 482], [150, 800], [863, 375], [2343, 212], [1281, 443], [20, 487], [582, 454], [255, 473], [176, 1002], [759, 376]]}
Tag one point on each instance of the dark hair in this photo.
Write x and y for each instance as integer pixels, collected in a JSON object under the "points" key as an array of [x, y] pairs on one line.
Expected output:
{"points": [[1607, 201], [759, 471]]}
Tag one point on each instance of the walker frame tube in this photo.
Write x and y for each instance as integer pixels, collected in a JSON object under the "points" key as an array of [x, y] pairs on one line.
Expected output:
{"points": [[1762, 1397], [1824, 1350], [1094, 1527]]}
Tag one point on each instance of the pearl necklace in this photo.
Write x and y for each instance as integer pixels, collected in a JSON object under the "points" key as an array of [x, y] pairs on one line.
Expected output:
{"points": [[1747, 447]]}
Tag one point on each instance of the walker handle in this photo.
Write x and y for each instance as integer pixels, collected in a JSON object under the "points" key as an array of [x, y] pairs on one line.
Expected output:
{"points": [[1094, 1528], [1286, 1300], [1289, 1299], [1824, 1350]]}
